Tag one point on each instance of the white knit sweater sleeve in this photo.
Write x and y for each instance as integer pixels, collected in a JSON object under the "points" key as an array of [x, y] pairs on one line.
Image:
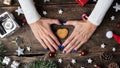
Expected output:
{"points": [[29, 10], [99, 11]]}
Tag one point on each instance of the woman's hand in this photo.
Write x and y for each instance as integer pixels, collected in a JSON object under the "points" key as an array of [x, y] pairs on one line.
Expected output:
{"points": [[82, 32], [44, 35]]}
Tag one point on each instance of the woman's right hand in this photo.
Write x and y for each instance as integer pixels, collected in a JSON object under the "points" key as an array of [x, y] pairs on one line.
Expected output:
{"points": [[42, 31]]}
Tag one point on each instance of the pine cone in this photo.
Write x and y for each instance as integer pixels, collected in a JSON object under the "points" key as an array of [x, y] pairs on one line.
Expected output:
{"points": [[106, 56], [113, 65]]}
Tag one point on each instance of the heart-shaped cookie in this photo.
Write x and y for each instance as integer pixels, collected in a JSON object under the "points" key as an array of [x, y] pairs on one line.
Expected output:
{"points": [[62, 33]]}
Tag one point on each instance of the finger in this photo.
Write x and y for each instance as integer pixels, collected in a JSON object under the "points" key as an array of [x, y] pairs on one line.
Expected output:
{"points": [[48, 44], [43, 44], [70, 44], [54, 38], [52, 42], [72, 47], [49, 32], [69, 38], [79, 45]]}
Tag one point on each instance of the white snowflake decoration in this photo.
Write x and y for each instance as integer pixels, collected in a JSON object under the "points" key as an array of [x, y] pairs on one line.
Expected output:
{"points": [[117, 7], [6, 60], [15, 64], [19, 11]]}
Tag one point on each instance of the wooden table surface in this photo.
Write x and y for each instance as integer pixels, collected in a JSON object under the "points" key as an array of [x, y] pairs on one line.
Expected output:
{"points": [[72, 11]]}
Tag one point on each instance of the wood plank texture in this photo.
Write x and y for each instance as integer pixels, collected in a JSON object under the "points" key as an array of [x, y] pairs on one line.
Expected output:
{"points": [[72, 11]]}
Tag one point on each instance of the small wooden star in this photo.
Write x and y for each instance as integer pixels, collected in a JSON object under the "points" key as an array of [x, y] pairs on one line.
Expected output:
{"points": [[103, 45], [73, 61], [44, 12], [19, 11], [60, 11], [116, 7], [60, 60], [28, 48], [90, 60], [20, 51], [113, 49], [112, 18]]}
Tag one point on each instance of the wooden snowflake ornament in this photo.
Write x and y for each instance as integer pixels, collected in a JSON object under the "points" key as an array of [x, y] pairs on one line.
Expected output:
{"points": [[6, 60]]}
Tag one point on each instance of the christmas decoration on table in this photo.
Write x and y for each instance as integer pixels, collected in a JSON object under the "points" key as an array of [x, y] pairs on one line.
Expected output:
{"points": [[112, 18], [46, 1], [106, 56], [15, 64], [82, 2], [7, 2], [51, 54], [62, 33], [28, 49], [113, 65], [6, 60], [103, 45], [8, 24], [20, 51], [118, 25], [45, 13], [60, 60], [60, 11], [116, 7], [114, 49], [110, 34], [90, 61], [83, 53], [43, 64], [73, 61], [19, 11]]}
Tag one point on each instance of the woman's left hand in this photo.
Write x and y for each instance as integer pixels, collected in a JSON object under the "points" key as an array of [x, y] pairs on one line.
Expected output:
{"points": [[81, 33]]}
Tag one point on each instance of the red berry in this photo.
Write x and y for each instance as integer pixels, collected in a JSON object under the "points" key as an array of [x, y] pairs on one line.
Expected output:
{"points": [[24, 20], [118, 25], [83, 53], [52, 54]]}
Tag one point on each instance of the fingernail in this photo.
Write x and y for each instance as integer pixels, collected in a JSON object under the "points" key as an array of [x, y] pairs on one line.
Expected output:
{"points": [[47, 49], [61, 47], [64, 52], [74, 51], [62, 22]]}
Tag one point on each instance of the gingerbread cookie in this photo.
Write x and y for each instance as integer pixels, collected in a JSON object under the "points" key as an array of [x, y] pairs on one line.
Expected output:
{"points": [[62, 33]]}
